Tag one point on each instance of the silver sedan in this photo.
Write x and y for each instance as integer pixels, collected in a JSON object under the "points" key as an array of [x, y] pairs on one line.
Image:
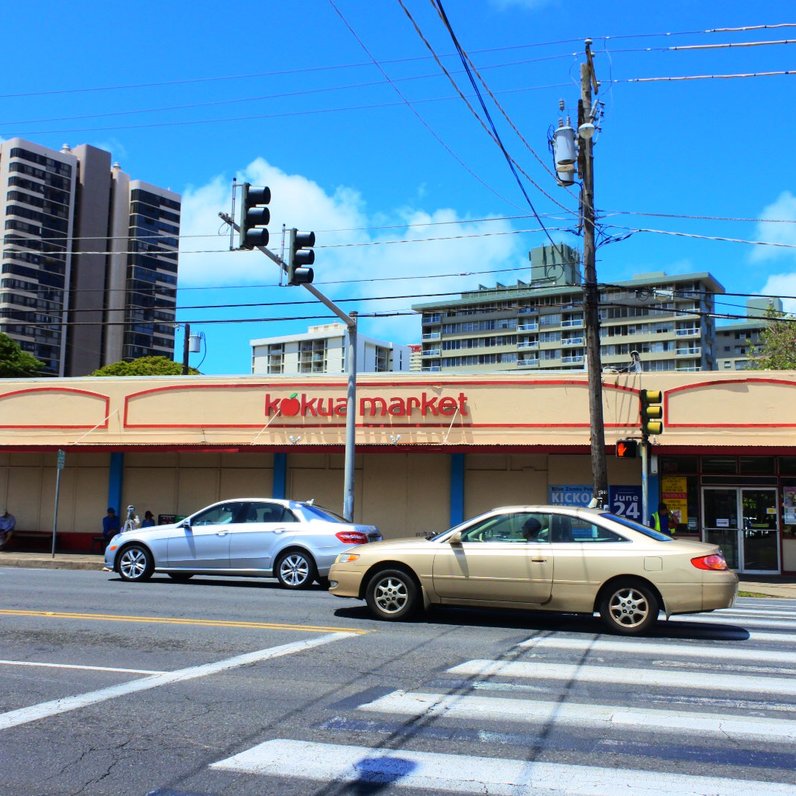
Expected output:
{"points": [[293, 541]]}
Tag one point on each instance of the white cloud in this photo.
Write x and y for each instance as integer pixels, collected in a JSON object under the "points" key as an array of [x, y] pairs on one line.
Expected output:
{"points": [[353, 258], [782, 229], [782, 285]]}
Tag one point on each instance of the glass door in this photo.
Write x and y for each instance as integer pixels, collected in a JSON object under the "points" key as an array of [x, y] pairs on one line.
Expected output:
{"points": [[720, 521], [745, 524], [760, 530]]}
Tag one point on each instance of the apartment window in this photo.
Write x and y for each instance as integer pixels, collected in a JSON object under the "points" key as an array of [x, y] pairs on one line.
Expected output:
{"points": [[312, 356]]}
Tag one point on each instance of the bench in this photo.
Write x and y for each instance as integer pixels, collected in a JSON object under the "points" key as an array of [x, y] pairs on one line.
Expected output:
{"points": [[26, 540]]}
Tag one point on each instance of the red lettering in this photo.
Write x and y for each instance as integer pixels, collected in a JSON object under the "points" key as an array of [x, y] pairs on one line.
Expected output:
{"points": [[448, 406]]}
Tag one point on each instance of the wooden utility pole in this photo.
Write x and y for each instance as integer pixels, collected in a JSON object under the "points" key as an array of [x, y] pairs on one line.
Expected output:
{"points": [[591, 296]]}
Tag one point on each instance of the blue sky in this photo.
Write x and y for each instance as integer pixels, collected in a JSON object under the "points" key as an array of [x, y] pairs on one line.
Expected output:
{"points": [[342, 109]]}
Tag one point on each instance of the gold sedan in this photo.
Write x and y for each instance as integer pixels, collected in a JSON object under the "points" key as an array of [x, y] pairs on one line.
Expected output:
{"points": [[542, 558]]}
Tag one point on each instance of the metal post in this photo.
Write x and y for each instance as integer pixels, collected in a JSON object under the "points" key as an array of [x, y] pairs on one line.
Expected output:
{"points": [[644, 480], [60, 461], [350, 423], [351, 408]]}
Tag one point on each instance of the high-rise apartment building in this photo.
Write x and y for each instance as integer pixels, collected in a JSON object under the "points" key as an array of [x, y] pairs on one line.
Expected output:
{"points": [[88, 269], [737, 343], [322, 349], [539, 325]]}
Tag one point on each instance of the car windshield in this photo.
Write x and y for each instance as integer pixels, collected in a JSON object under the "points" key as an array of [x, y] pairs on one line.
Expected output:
{"points": [[637, 526], [318, 513]]}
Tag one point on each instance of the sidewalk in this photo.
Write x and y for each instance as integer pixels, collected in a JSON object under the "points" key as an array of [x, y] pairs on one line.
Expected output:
{"points": [[769, 586]]}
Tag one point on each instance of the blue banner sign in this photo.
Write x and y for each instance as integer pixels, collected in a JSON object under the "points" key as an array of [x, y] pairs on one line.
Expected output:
{"points": [[569, 495], [625, 501]]}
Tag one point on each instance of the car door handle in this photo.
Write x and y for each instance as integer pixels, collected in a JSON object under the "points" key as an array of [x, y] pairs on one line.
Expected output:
{"points": [[221, 533], [539, 560], [279, 530]]}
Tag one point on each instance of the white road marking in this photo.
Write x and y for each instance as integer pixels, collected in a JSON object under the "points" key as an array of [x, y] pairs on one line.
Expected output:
{"points": [[669, 648], [76, 666], [475, 708], [623, 676], [497, 776], [785, 614], [46, 709]]}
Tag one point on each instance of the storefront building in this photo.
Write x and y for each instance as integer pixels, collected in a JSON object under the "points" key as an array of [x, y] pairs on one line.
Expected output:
{"points": [[430, 451]]}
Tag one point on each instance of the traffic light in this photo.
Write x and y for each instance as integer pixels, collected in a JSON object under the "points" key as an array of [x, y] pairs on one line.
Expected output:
{"points": [[254, 216], [300, 255], [626, 448], [651, 411]]}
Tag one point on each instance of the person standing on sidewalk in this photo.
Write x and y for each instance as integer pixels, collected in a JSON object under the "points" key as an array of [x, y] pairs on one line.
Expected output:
{"points": [[660, 519]]}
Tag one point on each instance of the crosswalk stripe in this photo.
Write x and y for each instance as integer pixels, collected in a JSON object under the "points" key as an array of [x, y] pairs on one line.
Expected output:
{"points": [[627, 676], [673, 650], [757, 612], [478, 708], [448, 773]]}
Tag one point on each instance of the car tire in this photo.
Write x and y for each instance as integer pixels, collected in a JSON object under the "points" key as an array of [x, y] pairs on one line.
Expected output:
{"points": [[391, 594], [295, 569], [135, 563], [181, 577], [629, 607]]}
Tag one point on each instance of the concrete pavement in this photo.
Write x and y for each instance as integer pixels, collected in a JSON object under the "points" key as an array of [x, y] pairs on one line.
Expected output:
{"points": [[767, 586]]}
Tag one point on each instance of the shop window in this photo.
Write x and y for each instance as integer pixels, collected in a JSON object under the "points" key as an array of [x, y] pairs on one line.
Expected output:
{"points": [[719, 465], [787, 465], [678, 464], [756, 465]]}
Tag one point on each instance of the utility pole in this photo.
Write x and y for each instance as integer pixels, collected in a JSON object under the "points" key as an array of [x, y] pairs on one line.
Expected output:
{"points": [[591, 296], [186, 342]]}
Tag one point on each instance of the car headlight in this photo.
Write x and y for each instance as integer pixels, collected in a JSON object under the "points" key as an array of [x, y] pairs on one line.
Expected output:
{"points": [[346, 558]]}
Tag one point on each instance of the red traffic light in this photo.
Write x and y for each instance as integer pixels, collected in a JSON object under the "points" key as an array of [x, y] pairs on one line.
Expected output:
{"points": [[626, 449]]}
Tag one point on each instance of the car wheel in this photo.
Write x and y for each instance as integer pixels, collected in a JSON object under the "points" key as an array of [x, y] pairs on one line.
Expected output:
{"points": [[181, 577], [295, 570], [391, 594], [629, 607], [135, 563]]}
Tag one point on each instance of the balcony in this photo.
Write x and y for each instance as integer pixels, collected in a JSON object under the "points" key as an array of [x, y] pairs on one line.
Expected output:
{"points": [[576, 359], [528, 327], [526, 344], [432, 335], [431, 352], [570, 341], [529, 362], [573, 322], [687, 332], [694, 351]]}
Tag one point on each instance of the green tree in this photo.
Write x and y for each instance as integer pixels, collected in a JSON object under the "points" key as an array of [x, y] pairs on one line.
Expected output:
{"points": [[144, 366], [777, 343], [16, 363]]}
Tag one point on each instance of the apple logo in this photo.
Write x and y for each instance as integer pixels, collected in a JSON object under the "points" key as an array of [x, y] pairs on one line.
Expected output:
{"points": [[289, 406]]}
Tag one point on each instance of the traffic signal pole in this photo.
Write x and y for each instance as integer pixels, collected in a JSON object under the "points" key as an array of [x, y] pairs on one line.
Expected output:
{"points": [[591, 297], [351, 325]]}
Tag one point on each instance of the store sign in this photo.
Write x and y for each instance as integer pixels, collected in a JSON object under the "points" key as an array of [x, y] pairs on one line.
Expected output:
{"points": [[625, 501], [425, 405]]}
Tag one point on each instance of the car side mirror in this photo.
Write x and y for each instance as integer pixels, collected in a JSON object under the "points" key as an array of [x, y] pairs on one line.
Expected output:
{"points": [[186, 524], [455, 539]]}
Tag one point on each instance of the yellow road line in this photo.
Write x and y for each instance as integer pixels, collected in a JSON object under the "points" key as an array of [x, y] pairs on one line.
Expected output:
{"points": [[173, 620]]}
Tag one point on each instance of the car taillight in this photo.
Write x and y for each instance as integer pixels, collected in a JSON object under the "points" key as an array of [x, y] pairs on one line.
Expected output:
{"points": [[352, 537], [713, 561]]}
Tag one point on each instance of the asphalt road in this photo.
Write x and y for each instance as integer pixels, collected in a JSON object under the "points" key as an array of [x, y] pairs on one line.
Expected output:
{"points": [[221, 686]]}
